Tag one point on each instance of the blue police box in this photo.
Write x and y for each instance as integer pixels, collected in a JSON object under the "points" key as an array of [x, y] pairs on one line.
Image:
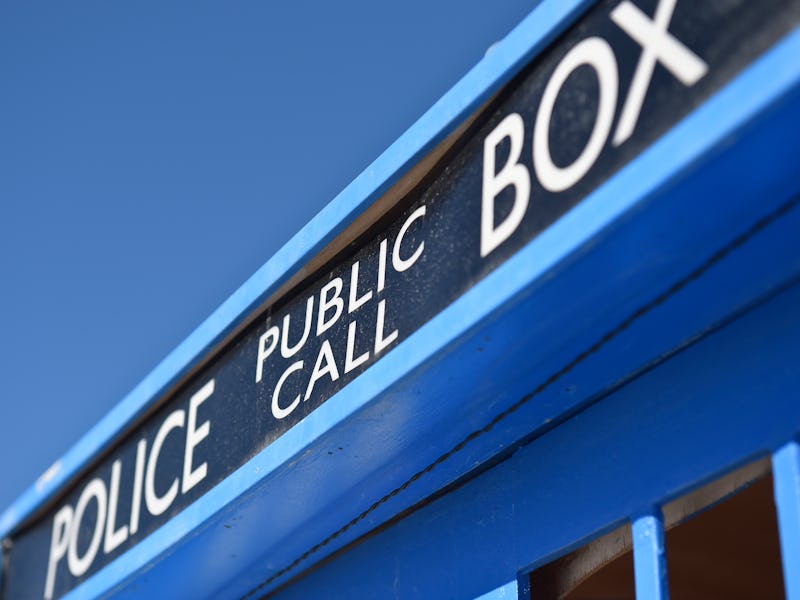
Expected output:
{"points": [[546, 346]]}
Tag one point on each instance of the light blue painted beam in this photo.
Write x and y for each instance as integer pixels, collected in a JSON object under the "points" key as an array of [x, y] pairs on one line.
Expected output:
{"points": [[786, 478], [649, 557], [509, 591]]}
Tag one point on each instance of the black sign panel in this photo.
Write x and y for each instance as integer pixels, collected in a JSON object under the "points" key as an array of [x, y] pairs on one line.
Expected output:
{"points": [[605, 90]]}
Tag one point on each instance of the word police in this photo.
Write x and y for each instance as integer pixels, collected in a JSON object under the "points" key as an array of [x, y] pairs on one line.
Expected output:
{"points": [[111, 529]]}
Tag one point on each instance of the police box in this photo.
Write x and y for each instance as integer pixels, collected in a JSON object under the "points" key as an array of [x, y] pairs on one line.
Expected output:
{"points": [[545, 346]]}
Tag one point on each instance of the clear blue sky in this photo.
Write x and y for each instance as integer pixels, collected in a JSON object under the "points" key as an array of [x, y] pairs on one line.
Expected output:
{"points": [[154, 154]]}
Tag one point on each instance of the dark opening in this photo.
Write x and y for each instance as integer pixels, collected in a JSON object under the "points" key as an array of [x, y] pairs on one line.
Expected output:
{"points": [[727, 547], [729, 551], [601, 570]]}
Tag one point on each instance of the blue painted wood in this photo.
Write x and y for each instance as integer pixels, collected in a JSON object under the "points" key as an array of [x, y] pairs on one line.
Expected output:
{"points": [[649, 557], [786, 478], [508, 591], [285, 505], [715, 406]]}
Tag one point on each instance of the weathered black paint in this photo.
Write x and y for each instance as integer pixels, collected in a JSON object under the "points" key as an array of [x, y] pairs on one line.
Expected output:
{"points": [[726, 34]]}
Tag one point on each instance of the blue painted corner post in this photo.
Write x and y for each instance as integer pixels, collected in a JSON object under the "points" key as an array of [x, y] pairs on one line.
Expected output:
{"points": [[786, 478], [649, 557], [517, 589]]}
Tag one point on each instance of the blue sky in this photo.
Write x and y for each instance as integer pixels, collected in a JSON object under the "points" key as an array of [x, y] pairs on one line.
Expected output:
{"points": [[154, 154]]}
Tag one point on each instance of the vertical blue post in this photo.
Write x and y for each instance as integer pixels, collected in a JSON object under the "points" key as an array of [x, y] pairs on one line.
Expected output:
{"points": [[513, 590], [786, 479], [649, 559]]}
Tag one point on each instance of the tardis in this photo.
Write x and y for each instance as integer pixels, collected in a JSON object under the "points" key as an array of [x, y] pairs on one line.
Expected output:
{"points": [[547, 346]]}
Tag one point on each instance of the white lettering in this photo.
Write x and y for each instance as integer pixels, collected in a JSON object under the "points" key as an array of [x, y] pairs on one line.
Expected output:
{"points": [[349, 362], [326, 354], [657, 46], [286, 351], [355, 301], [265, 350], [138, 476], [277, 411], [195, 435], [401, 264], [381, 342], [382, 265], [78, 565], [513, 174], [59, 540], [156, 504], [325, 303], [596, 53], [114, 537]]}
